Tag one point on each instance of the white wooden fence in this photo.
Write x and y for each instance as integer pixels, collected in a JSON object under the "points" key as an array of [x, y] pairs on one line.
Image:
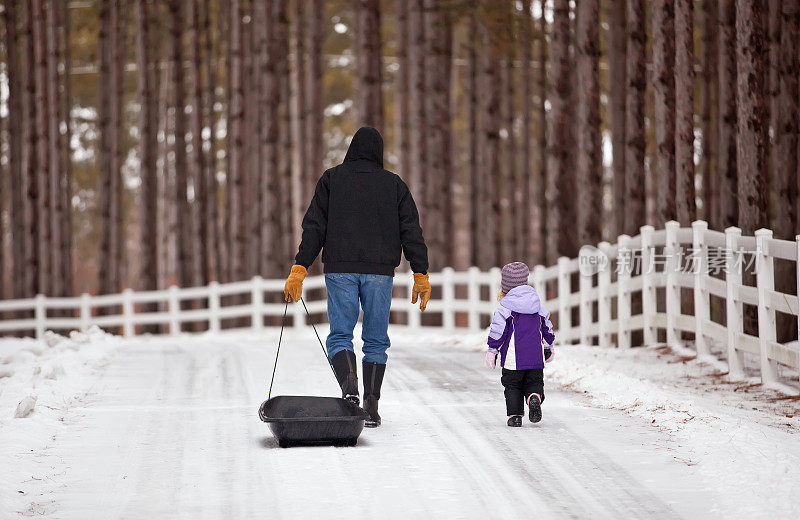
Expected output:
{"points": [[594, 309]]}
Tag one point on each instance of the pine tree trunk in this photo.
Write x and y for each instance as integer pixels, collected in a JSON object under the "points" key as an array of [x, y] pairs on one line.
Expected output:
{"points": [[771, 72], [439, 162], [751, 102], [286, 227], [783, 185], [589, 160], [249, 195], [215, 245], [529, 215], [44, 236], [684, 112], [148, 147], [55, 206], [432, 182], [185, 256], [42, 174], [560, 194], [617, 84], [402, 88], [727, 207], [368, 63], [300, 175], [315, 94], [16, 119], [234, 181], [30, 165], [5, 172], [490, 233], [66, 151], [475, 205], [109, 178], [418, 126], [784, 151], [510, 196], [166, 175], [538, 192], [197, 122], [267, 110], [281, 227], [709, 128], [635, 140], [664, 88]]}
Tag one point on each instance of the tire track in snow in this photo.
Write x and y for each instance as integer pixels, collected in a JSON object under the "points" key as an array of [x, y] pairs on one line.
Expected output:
{"points": [[481, 462], [481, 484], [608, 485]]}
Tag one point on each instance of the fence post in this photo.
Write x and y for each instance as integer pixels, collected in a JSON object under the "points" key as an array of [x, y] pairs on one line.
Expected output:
{"points": [[733, 307], [673, 297], [701, 300], [765, 282], [473, 298], [538, 283], [298, 315], [604, 299], [213, 306], [40, 315], [127, 313], [86, 312], [494, 283], [584, 307], [257, 304], [797, 277], [564, 290], [648, 287], [448, 316], [174, 311], [623, 293]]}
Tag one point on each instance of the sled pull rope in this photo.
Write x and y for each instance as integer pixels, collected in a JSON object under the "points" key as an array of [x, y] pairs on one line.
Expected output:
{"points": [[280, 338], [278, 353]]}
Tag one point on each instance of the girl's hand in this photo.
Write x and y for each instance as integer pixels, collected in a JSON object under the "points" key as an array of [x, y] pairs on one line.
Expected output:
{"points": [[549, 354], [491, 359]]}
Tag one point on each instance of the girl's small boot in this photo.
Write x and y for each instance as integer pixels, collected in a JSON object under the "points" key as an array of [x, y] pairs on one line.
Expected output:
{"points": [[344, 364], [515, 421], [534, 408], [373, 379]]}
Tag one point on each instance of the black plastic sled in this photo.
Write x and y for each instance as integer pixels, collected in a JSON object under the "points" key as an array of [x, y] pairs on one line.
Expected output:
{"points": [[313, 421]]}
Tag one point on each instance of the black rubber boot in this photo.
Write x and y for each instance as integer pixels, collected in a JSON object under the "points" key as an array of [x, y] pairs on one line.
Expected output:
{"points": [[534, 408], [515, 421], [344, 364], [373, 378]]}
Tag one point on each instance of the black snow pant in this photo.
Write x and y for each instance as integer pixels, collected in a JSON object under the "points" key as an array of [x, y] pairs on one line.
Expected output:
{"points": [[519, 384]]}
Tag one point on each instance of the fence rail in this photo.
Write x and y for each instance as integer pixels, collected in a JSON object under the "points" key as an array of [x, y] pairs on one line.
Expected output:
{"points": [[589, 308]]}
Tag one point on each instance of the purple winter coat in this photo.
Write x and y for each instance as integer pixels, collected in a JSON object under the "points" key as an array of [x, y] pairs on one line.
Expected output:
{"points": [[518, 327]]}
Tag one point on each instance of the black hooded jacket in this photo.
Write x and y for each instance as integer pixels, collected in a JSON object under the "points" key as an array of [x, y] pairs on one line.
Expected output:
{"points": [[362, 216]]}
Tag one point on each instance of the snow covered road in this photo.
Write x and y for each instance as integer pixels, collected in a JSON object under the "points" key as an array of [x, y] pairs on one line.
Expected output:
{"points": [[168, 428]]}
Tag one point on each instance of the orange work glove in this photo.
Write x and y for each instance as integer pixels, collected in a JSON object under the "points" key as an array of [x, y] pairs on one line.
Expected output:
{"points": [[422, 288], [294, 284]]}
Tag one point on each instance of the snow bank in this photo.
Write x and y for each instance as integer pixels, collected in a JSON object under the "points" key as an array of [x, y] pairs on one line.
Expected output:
{"points": [[39, 382], [746, 442]]}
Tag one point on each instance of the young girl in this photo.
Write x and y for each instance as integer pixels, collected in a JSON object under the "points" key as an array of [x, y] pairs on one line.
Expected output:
{"points": [[519, 325]]}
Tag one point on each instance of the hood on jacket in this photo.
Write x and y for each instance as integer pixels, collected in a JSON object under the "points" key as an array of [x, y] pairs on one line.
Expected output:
{"points": [[524, 300], [367, 145]]}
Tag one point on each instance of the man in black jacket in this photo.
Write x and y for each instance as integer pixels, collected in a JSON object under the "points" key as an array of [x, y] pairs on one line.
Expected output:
{"points": [[361, 217]]}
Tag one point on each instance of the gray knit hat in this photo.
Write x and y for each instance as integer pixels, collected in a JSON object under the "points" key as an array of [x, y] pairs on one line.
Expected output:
{"points": [[513, 275]]}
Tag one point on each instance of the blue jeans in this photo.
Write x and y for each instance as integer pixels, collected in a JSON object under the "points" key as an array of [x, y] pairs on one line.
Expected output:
{"points": [[344, 292]]}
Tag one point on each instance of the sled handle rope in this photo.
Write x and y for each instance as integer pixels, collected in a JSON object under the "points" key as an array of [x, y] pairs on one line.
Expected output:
{"points": [[280, 338]]}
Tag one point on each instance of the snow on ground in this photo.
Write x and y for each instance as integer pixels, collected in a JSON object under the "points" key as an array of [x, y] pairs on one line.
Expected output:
{"points": [[168, 428]]}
